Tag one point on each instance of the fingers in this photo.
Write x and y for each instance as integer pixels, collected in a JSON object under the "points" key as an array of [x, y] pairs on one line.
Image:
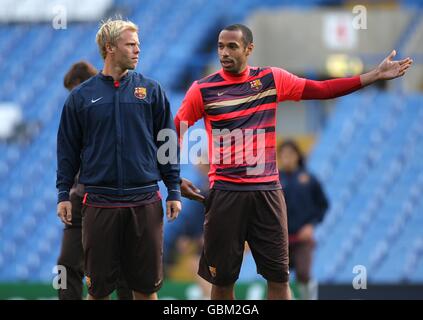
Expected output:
{"points": [[404, 68], [172, 210], [69, 215], [402, 65], [64, 211], [406, 61], [190, 191], [169, 214], [198, 197], [194, 194], [392, 55], [194, 188], [64, 217]]}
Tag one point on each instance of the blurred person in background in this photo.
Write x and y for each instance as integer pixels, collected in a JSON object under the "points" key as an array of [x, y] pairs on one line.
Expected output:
{"points": [[194, 234], [109, 130], [71, 253], [306, 205], [184, 238], [245, 201]]}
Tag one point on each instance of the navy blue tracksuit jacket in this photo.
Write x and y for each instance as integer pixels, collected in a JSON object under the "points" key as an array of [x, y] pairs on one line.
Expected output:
{"points": [[109, 131]]}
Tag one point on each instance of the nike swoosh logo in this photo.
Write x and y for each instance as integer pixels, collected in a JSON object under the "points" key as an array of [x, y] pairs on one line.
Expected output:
{"points": [[94, 101], [221, 93]]}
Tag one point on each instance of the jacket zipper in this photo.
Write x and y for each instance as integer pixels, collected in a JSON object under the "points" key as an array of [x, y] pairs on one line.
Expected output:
{"points": [[118, 139]]}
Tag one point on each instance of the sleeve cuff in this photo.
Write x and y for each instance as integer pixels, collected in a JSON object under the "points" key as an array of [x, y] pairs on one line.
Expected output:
{"points": [[63, 196], [174, 193]]}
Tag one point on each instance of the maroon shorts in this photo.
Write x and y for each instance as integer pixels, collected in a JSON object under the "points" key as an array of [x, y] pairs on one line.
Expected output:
{"points": [[233, 217], [127, 239]]}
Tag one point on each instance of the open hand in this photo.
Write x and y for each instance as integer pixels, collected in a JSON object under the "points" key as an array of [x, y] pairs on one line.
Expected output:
{"points": [[391, 69]]}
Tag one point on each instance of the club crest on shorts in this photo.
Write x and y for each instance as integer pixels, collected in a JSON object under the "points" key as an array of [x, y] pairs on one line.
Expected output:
{"points": [[212, 271], [256, 85], [140, 92]]}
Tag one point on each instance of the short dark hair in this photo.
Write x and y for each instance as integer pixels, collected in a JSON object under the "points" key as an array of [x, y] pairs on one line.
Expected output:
{"points": [[247, 35], [78, 73], [293, 145]]}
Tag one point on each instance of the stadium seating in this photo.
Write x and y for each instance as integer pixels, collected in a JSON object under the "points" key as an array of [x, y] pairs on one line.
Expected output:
{"points": [[362, 172], [373, 185]]}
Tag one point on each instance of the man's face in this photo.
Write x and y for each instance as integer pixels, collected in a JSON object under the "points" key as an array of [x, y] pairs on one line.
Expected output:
{"points": [[233, 53], [127, 50], [289, 159]]}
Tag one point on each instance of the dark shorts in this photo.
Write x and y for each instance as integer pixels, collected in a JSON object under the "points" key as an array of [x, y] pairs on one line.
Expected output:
{"points": [[127, 239], [233, 217]]}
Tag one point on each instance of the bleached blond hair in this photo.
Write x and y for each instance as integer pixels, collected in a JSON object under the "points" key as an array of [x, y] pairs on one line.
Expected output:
{"points": [[110, 31]]}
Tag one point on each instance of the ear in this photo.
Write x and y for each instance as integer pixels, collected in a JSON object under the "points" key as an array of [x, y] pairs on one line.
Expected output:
{"points": [[110, 48], [249, 49]]}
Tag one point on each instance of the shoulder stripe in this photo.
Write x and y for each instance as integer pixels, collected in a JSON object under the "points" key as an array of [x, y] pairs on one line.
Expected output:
{"points": [[241, 113], [223, 83], [243, 106], [215, 77], [235, 102], [256, 71]]}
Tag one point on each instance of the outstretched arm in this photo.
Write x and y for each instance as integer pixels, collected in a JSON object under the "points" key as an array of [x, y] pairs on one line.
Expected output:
{"points": [[388, 69]]}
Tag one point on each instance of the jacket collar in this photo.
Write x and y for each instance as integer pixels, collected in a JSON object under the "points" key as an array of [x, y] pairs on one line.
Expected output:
{"points": [[125, 78]]}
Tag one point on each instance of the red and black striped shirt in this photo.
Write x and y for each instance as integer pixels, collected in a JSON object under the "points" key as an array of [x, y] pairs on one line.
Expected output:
{"points": [[239, 114]]}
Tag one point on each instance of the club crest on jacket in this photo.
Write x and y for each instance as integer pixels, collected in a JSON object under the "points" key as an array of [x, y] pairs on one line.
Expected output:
{"points": [[140, 92]]}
